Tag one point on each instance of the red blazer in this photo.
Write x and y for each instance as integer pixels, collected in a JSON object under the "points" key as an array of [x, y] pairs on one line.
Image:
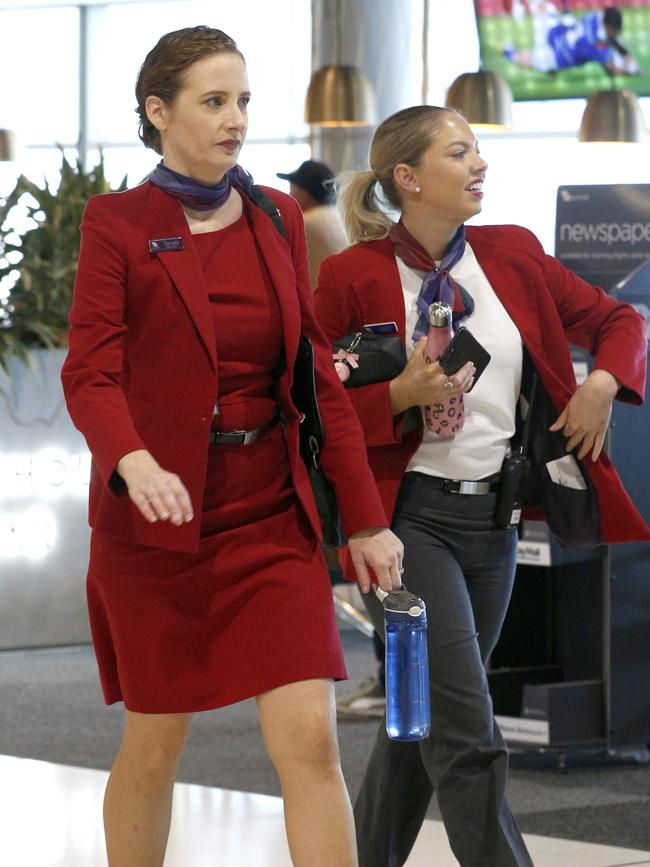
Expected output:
{"points": [[142, 367], [550, 306]]}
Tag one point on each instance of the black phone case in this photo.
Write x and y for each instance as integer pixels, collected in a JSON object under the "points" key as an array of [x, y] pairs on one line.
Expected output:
{"points": [[464, 347]]}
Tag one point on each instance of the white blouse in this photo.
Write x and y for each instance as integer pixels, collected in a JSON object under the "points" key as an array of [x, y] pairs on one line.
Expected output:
{"points": [[478, 450]]}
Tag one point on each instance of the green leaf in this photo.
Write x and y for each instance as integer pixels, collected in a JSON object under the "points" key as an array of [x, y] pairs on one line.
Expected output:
{"points": [[35, 312]]}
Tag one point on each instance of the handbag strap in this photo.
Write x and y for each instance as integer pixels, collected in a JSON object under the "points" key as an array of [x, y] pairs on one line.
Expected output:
{"points": [[257, 195]]}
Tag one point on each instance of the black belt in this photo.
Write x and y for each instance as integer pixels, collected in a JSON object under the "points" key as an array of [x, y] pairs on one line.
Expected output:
{"points": [[243, 437], [458, 486]]}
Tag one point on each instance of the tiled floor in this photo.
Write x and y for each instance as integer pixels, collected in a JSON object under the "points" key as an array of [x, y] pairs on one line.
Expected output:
{"points": [[51, 817]]}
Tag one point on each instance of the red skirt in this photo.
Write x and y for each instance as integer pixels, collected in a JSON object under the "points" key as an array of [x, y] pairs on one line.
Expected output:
{"points": [[251, 611]]}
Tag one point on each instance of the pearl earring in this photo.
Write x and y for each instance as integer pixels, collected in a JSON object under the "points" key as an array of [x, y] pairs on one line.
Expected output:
{"points": [[418, 190]]}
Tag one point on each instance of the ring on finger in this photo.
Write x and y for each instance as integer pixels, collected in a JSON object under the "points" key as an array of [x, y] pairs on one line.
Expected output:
{"points": [[448, 384], [400, 569]]}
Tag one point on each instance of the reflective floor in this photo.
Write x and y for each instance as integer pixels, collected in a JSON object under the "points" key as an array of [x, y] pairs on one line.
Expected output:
{"points": [[51, 817]]}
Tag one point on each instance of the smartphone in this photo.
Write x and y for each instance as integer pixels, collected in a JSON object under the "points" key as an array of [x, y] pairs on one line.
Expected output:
{"points": [[464, 347], [381, 327]]}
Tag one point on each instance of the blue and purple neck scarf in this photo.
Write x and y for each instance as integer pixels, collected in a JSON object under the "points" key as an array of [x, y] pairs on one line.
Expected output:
{"points": [[193, 194], [437, 284]]}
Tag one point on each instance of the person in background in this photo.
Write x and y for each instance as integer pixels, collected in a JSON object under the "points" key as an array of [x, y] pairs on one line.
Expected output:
{"points": [[206, 583], [441, 491], [312, 186]]}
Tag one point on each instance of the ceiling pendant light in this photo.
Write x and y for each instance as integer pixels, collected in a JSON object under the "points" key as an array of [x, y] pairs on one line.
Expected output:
{"points": [[7, 145], [483, 98], [612, 116], [339, 95]]}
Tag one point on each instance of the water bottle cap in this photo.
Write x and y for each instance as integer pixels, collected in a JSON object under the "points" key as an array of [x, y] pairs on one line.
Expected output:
{"points": [[403, 602], [440, 314]]}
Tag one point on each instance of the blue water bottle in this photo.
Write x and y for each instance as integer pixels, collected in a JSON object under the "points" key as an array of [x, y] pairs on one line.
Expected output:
{"points": [[408, 711]]}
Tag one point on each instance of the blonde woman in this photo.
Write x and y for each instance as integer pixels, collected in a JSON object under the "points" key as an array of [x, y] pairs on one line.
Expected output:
{"points": [[524, 307]]}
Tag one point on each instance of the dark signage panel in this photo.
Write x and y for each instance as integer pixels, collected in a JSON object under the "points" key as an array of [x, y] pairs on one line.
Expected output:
{"points": [[602, 231]]}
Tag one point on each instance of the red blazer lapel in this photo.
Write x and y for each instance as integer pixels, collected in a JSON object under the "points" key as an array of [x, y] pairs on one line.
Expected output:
{"points": [[517, 295], [277, 258], [165, 219]]}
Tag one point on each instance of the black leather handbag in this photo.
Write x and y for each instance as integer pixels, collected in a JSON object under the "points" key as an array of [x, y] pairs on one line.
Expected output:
{"points": [[312, 439], [370, 357]]}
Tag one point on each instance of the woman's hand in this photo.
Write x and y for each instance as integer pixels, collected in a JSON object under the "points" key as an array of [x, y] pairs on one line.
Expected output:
{"points": [[381, 550], [422, 384], [586, 416], [159, 495]]}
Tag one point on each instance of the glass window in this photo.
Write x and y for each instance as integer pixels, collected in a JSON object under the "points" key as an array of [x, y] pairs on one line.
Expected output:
{"points": [[135, 162], [261, 160], [278, 56], [119, 38], [264, 160], [43, 108], [40, 165], [39, 71], [121, 35]]}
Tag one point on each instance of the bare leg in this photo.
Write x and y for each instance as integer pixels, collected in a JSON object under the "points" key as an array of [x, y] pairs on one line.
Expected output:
{"points": [[299, 728], [138, 800]]}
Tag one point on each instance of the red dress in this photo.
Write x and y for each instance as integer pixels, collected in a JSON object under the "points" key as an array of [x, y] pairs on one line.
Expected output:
{"points": [[176, 632]]}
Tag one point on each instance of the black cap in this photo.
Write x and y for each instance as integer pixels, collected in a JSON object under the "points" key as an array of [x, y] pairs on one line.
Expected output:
{"points": [[317, 179]]}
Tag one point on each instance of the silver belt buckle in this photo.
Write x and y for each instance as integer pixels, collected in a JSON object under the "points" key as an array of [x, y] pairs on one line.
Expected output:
{"points": [[236, 433], [474, 488]]}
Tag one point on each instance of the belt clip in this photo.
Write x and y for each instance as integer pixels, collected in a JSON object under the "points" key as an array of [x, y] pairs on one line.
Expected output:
{"points": [[470, 487]]}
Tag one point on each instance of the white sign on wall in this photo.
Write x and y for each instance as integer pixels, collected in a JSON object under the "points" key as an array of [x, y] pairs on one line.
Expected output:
{"points": [[29, 485], [44, 533]]}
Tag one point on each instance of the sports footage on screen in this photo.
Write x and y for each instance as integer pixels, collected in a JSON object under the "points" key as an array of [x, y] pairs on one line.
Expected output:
{"points": [[554, 49]]}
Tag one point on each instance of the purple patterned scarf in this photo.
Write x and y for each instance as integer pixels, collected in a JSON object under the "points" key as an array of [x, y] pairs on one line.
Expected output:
{"points": [[193, 194], [437, 284]]}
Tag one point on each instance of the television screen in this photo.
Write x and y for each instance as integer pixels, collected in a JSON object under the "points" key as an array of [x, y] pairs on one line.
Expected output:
{"points": [[554, 49]]}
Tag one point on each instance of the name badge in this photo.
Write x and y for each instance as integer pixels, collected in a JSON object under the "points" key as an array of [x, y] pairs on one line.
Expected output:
{"points": [[164, 245]]}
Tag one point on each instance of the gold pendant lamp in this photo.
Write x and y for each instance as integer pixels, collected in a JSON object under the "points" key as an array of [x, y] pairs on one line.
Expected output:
{"points": [[7, 145], [612, 116], [483, 98], [339, 95]]}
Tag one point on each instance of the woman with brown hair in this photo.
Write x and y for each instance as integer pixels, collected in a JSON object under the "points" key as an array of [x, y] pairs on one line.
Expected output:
{"points": [[441, 492], [206, 582]]}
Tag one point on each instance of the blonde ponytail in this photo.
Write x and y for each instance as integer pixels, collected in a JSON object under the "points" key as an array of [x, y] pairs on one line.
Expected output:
{"points": [[363, 215]]}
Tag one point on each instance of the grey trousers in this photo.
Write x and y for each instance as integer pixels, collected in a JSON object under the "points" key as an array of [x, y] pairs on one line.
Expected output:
{"points": [[463, 568]]}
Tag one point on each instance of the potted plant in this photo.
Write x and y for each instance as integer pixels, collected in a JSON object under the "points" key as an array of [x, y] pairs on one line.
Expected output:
{"points": [[34, 312]]}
